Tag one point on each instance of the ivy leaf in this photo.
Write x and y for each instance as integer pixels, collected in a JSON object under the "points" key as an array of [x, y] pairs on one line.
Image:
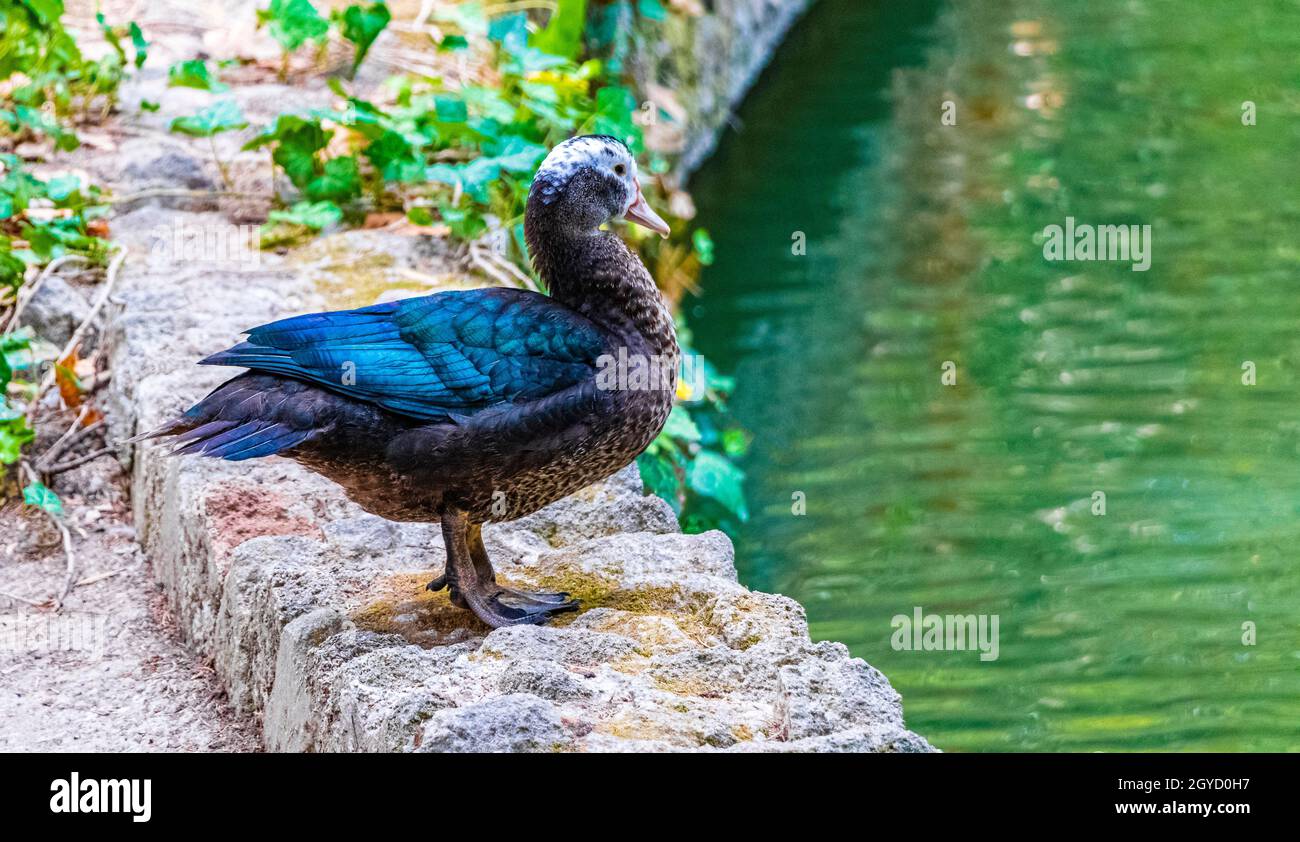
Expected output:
{"points": [[221, 116], [651, 10], [43, 498], [519, 156], [395, 158], [466, 224], [194, 74], [450, 109], [710, 475], [313, 215], [420, 215], [14, 434], [340, 179], [296, 140], [294, 22], [563, 33], [361, 25], [659, 475], [681, 426], [516, 155], [510, 31], [35, 119], [615, 107], [138, 43]]}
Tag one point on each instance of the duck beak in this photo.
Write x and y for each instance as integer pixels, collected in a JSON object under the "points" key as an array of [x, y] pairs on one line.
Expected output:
{"points": [[641, 214]]}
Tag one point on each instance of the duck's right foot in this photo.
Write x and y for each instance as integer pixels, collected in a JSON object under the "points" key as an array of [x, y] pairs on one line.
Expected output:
{"points": [[501, 606], [468, 575]]}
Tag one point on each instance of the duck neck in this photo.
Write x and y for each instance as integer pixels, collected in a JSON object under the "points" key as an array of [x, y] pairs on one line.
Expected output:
{"points": [[595, 274]]}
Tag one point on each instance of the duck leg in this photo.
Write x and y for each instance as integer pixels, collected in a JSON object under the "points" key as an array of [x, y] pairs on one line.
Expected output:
{"points": [[483, 565], [468, 574]]}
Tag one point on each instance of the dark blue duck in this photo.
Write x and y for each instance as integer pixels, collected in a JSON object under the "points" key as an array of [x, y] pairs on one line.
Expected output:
{"points": [[475, 406]]}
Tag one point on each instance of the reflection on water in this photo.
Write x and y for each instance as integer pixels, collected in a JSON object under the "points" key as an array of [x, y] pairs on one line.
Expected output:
{"points": [[1120, 630]]}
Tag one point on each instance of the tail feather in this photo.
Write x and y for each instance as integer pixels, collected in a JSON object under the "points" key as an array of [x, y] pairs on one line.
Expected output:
{"points": [[203, 430], [249, 416], [219, 440], [246, 441], [265, 442]]}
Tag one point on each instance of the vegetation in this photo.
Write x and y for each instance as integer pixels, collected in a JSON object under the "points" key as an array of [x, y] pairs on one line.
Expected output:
{"points": [[458, 154], [49, 88]]}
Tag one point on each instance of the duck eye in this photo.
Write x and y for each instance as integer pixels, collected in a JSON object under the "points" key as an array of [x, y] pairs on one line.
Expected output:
{"points": [[619, 169]]}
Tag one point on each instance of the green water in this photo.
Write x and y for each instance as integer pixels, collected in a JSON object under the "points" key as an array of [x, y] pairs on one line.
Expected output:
{"points": [[1118, 631]]}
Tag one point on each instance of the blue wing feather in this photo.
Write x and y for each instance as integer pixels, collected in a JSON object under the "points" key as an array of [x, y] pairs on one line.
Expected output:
{"points": [[432, 358]]}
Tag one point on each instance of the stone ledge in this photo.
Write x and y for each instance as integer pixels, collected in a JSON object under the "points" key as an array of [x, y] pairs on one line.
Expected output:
{"points": [[315, 616]]}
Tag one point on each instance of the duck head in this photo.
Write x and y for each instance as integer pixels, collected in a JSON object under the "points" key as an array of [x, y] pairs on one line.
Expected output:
{"points": [[585, 182]]}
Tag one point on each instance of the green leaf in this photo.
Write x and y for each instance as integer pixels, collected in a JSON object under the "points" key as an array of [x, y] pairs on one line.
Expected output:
{"points": [[43, 498], [735, 442], [659, 475], [651, 10], [294, 22], [615, 107], [61, 187], [361, 25], [37, 121], [395, 158], [340, 179], [194, 74], [313, 215], [510, 31], [138, 43], [14, 434], [703, 244], [420, 215], [221, 116], [563, 33], [466, 224], [296, 141], [12, 268], [516, 156], [450, 109], [711, 475], [680, 426], [149, 105]]}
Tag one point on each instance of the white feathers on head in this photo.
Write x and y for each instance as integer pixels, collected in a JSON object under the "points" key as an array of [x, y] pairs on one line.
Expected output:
{"points": [[601, 152]]}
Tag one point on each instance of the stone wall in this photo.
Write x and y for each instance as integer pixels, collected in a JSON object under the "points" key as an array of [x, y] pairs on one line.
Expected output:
{"points": [[706, 63]]}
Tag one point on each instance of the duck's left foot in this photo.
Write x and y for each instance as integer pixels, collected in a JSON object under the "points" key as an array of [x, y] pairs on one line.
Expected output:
{"points": [[457, 598]]}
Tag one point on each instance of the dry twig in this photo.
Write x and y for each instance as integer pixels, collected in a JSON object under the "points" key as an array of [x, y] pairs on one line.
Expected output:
{"points": [[22, 300]]}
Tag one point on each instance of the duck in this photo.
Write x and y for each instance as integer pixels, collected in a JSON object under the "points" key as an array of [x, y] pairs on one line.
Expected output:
{"points": [[470, 407]]}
